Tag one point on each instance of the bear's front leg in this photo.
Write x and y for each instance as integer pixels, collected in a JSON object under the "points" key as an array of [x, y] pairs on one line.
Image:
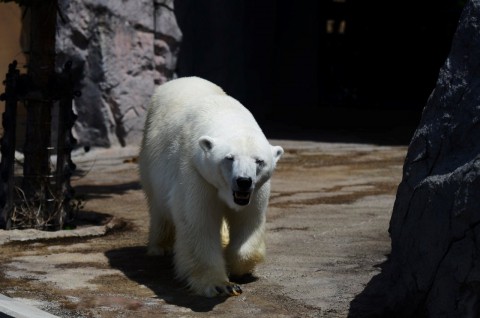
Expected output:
{"points": [[198, 254], [246, 248]]}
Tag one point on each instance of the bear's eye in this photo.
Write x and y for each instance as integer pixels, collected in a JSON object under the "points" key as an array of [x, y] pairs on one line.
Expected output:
{"points": [[229, 157]]}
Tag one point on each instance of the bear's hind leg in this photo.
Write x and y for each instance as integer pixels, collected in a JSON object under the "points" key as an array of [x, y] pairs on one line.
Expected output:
{"points": [[161, 237], [162, 233]]}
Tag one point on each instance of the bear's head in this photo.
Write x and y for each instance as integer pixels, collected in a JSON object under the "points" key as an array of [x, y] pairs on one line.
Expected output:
{"points": [[237, 166]]}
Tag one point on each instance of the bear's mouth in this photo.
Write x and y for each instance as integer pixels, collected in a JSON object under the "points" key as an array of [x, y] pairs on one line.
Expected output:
{"points": [[241, 197]]}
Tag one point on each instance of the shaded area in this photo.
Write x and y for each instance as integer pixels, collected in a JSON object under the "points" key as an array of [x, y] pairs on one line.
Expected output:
{"points": [[320, 64], [434, 265], [89, 218], [90, 191], [360, 132], [157, 273], [371, 301]]}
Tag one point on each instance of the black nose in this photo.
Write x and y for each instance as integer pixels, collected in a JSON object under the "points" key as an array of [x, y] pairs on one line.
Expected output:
{"points": [[244, 183]]}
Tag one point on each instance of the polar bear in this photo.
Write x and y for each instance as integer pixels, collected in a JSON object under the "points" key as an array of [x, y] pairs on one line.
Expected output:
{"points": [[205, 167]]}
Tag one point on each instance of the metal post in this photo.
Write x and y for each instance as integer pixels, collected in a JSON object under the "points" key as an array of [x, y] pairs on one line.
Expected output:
{"points": [[7, 143], [37, 174], [65, 144]]}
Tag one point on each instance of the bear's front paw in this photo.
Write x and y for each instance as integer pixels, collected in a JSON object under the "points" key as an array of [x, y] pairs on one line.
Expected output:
{"points": [[224, 289], [229, 289]]}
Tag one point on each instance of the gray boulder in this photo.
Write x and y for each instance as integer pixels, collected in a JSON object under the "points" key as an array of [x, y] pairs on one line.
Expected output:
{"points": [[123, 49], [434, 266]]}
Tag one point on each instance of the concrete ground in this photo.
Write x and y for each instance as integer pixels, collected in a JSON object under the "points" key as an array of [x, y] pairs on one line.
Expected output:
{"points": [[326, 237]]}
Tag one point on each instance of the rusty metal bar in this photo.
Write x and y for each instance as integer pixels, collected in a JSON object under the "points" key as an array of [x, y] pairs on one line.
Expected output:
{"points": [[65, 144]]}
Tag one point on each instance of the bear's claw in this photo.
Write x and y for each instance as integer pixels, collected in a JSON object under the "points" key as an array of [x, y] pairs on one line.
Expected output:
{"points": [[229, 290], [234, 290]]}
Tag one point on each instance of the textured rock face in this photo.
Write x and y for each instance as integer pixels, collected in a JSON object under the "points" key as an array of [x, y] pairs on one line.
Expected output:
{"points": [[123, 49], [434, 268]]}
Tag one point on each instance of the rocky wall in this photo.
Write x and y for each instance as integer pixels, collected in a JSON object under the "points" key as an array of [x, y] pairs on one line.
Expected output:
{"points": [[121, 50], [434, 266]]}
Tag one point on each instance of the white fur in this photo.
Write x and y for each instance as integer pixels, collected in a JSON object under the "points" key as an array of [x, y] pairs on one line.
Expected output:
{"points": [[197, 142]]}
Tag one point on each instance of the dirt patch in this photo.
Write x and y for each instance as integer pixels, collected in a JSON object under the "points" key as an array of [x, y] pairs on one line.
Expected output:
{"points": [[334, 195], [355, 160]]}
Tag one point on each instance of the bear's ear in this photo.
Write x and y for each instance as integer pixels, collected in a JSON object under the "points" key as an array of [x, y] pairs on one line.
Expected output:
{"points": [[277, 152], [206, 143]]}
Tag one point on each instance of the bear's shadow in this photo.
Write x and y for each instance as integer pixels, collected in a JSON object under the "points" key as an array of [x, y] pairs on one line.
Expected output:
{"points": [[157, 273]]}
